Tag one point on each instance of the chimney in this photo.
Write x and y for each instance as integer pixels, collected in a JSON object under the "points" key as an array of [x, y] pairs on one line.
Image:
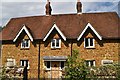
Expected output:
{"points": [[48, 8], [79, 7]]}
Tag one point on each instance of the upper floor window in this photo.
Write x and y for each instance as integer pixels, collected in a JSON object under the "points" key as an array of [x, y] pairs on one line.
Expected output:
{"points": [[24, 63], [90, 63], [89, 43], [56, 43], [25, 43]]}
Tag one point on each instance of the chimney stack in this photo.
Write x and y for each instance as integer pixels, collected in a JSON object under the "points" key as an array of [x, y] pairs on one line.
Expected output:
{"points": [[79, 7], [48, 8]]}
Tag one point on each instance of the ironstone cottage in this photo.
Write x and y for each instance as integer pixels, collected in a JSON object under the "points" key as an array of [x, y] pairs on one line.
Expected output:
{"points": [[43, 43]]}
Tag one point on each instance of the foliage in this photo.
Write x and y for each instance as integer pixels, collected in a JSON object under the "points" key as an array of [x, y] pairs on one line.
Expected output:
{"points": [[77, 70], [75, 67], [105, 71], [3, 74], [8, 74]]}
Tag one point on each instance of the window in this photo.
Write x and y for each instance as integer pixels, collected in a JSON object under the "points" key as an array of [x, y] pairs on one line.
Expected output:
{"points": [[24, 63], [48, 65], [106, 62], [10, 62], [90, 63], [56, 43], [89, 43], [62, 64], [25, 43]]}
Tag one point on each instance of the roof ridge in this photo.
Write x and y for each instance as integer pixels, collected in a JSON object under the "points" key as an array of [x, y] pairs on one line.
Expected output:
{"points": [[61, 15]]}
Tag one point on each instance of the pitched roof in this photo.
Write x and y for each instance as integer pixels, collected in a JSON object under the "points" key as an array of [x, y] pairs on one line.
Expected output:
{"points": [[71, 25]]}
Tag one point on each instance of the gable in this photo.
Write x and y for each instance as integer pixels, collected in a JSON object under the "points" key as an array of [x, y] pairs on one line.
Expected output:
{"points": [[57, 29], [86, 28], [24, 28]]}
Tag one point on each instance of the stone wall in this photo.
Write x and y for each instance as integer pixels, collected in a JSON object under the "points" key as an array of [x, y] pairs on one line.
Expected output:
{"points": [[105, 49]]}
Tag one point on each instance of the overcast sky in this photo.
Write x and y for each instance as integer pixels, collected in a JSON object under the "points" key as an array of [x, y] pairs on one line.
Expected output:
{"points": [[21, 8]]}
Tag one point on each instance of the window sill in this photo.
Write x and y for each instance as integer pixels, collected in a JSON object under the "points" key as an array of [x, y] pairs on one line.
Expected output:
{"points": [[25, 48], [61, 69], [22, 67], [47, 69], [90, 47], [55, 48]]}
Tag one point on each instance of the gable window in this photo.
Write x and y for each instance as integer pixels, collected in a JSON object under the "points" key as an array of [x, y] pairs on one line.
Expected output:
{"points": [[24, 63], [25, 43], [56, 43], [62, 64], [106, 62], [48, 65], [89, 43], [90, 63]]}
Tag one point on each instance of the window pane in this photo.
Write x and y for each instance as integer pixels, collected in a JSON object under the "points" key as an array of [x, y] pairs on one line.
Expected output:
{"points": [[23, 44], [87, 63], [26, 63], [53, 43], [91, 63], [48, 64], [91, 41], [22, 63], [62, 64], [26, 43], [86, 42], [57, 42]]}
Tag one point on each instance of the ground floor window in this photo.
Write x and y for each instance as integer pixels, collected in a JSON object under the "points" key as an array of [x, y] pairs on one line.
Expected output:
{"points": [[48, 65], [24, 63], [62, 65], [90, 63], [106, 62], [10, 62]]}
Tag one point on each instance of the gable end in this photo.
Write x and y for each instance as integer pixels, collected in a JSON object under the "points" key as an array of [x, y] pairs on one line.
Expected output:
{"points": [[85, 29], [24, 28], [58, 30]]}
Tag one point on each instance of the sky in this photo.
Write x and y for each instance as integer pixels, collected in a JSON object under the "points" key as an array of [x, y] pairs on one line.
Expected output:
{"points": [[22, 8]]}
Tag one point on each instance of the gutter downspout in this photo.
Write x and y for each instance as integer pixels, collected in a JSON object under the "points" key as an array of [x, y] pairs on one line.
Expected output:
{"points": [[71, 47], [39, 61]]}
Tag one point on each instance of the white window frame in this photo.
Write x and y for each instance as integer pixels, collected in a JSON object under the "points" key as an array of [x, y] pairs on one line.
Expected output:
{"points": [[110, 62], [60, 65], [28, 67], [89, 65], [89, 43], [54, 47], [46, 65], [25, 46]]}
